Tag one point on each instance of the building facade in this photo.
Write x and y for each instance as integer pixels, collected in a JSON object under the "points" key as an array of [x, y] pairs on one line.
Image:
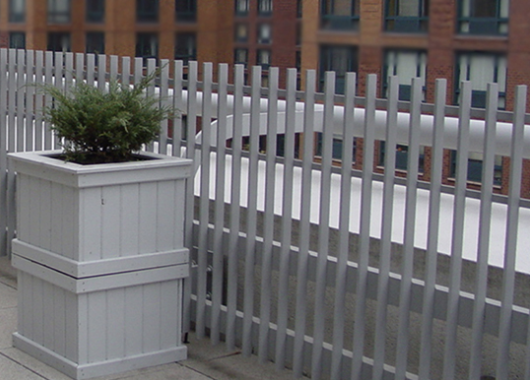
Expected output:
{"points": [[476, 40]]}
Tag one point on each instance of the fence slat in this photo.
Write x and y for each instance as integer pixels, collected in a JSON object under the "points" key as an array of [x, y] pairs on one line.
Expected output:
{"points": [[481, 277], [220, 180], [204, 201], [39, 80], [364, 231], [344, 228], [235, 198], [48, 81], [178, 107], [164, 103], [514, 197], [21, 63], [386, 230], [251, 215], [432, 234], [3, 153], [323, 230], [305, 212], [270, 176], [458, 232], [286, 220], [29, 112], [190, 184], [410, 226], [59, 83], [11, 93]]}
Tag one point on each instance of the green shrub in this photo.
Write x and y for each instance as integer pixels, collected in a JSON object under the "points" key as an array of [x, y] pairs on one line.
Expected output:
{"points": [[97, 126]]}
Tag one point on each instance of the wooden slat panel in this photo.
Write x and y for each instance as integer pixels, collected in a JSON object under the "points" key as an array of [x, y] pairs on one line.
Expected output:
{"points": [[29, 97], [165, 216], [151, 317], [323, 230], [344, 227], [20, 92], [386, 231], [97, 326], [164, 103], [39, 80], [48, 81], [364, 231], [111, 208], [458, 232], [235, 195], [147, 205], [512, 222], [71, 326], [220, 181], [90, 224], [410, 221], [286, 225], [169, 314], [204, 202], [58, 82], [116, 323], [59, 320], [133, 321], [178, 107], [305, 211], [432, 234], [270, 176], [131, 219]]}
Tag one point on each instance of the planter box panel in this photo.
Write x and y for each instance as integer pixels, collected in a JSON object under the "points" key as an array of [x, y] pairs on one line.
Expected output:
{"points": [[48, 219]]}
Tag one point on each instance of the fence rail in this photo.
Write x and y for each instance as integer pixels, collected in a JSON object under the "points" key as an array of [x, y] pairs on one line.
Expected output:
{"points": [[332, 272]]}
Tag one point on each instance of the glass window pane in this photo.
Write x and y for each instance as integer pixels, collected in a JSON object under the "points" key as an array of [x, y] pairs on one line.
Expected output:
{"points": [[17, 10]]}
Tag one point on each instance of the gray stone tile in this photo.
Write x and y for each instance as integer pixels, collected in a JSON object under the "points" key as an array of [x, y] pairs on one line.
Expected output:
{"points": [[8, 325], [8, 297], [33, 365], [10, 370]]}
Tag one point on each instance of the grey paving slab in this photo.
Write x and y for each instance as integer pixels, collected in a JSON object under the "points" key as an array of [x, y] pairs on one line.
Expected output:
{"points": [[11, 370], [8, 297], [8, 325]]}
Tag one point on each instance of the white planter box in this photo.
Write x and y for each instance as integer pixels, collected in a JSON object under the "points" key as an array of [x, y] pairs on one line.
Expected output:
{"points": [[100, 257]]}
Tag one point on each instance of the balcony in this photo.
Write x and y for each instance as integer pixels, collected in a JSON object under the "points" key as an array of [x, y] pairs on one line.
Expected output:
{"points": [[321, 269]]}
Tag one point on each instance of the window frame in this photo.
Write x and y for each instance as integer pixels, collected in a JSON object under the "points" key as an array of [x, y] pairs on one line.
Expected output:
{"points": [[260, 54], [396, 23], [469, 24], [421, 68], [17, 34], [20, 15], [187, 12], [187, 37], [89, 38], [331, 21], [95, 11], [239, 10], [144, 13], [153, 36], [236, 60], [57, 35], [260, 39], [352, 63], [478, 95], [265, 8], [55, 16]]}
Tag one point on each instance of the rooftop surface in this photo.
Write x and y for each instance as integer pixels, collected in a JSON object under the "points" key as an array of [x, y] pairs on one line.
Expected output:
{"points": [[204, 362]]}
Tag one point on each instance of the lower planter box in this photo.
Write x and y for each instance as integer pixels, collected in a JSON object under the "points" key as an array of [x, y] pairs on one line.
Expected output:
{"points": [[100, 325], [100, 259]]}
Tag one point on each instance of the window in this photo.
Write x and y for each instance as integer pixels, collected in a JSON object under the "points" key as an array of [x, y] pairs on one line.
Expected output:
{"points": [[147, 10], [264, 34], [59, 11], [241, 56], [406, 64], [336, 148], [17, 10], [474, 168], [407, 16], [241, 33], [59, 41], [241, 7], [299, 8], [402, 156], [481, 69], [263, 58], [340, 14], [147, 45], [17, 40], [483, 17], [95, 11], [186, 10], [264, 7], [186, 47], [341, 59], [95, 42]]}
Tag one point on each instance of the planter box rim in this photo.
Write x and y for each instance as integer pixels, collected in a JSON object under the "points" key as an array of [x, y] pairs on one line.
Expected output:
{"points": [[43, 164]]}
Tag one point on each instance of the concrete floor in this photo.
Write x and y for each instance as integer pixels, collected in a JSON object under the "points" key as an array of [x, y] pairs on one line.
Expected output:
{"points": [[204, 361]]}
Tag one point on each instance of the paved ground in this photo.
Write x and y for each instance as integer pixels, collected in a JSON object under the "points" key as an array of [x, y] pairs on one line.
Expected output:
{"points": [[205, 362]]}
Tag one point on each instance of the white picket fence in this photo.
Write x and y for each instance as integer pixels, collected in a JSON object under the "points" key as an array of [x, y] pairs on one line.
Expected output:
{"points": [[331, 272]]}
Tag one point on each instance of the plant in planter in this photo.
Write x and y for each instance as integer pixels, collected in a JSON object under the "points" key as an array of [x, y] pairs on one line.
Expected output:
{"points": [[104, 126], [100, 233]]}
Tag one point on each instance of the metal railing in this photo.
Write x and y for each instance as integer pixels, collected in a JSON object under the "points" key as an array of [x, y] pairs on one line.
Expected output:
{"points": [[332, 274]]}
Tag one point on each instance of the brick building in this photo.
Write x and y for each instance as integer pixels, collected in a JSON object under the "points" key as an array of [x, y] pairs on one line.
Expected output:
{"points": [[477, 40]]}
